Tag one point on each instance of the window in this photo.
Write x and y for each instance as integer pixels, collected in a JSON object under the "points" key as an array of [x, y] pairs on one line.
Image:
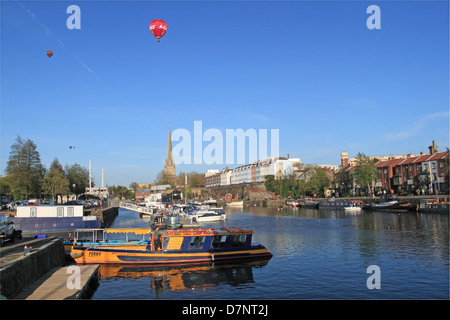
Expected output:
{"points": [[33, 212], [70, 211], [196, 242], [60, 212], [219, 241], [239, 240]]}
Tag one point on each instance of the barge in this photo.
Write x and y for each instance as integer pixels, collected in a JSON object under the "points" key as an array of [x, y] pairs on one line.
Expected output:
{"points": [[182, 246], [37, 219]]}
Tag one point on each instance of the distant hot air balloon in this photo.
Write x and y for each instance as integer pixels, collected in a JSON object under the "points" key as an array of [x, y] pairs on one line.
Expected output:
{"points": [[158, 28], [49, 53]]}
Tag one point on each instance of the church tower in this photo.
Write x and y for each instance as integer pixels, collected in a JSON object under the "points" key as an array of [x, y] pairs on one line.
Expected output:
{"points": [[169, 167]]}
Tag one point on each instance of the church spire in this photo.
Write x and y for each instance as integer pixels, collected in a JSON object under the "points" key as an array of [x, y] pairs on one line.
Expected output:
{"points": [[169, 168]]}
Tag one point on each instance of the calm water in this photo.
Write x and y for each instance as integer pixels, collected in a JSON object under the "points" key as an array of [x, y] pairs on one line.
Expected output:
{"points": [[317, 254]]}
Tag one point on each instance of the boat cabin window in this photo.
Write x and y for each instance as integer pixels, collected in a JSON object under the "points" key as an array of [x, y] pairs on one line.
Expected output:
{"points": [[33, 212], [239, 240], [197, 243], [219, 241], [70, 212], [60, 212]]}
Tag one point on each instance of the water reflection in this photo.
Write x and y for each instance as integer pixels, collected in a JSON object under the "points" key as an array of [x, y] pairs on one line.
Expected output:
{"points": [[163, 279]]}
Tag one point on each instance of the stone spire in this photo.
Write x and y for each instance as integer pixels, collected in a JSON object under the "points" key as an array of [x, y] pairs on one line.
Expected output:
{"points": [[169, 167]]}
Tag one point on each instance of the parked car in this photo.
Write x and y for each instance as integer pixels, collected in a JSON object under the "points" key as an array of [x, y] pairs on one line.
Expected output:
{"points": [[8, 231], [16, 203], [47, 202], [34, 202], [5, 204]]}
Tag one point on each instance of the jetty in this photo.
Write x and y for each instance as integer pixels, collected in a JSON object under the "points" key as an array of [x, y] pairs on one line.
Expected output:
{"points": [[62, 284], [42, 272]]}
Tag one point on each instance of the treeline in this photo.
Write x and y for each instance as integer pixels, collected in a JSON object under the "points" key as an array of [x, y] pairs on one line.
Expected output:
{"points": [[26, 177], [317, 180], [292, 187]]}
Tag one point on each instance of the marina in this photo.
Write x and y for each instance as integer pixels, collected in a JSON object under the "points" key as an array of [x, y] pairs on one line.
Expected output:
{"points": [[317, 254], [319, 244]]}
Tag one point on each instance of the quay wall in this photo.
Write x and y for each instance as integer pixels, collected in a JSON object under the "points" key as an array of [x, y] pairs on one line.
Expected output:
{"points": [[19, 274], [107, 216]]}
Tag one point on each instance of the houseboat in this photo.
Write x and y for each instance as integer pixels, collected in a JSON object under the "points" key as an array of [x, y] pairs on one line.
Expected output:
{"points": [[37, 219], [434, 206], [308, 203], [391, 206], [182, 246], [333, 204]]}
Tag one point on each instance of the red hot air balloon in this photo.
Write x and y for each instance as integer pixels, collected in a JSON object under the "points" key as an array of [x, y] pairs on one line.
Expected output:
{"points": [[158, 28], [49, 53]]}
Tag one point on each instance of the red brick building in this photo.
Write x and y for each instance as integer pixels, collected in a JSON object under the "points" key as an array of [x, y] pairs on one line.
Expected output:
{"points": [[422, 174]]}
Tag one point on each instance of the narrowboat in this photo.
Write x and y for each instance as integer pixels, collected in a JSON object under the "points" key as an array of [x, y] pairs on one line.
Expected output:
{"points": [[391, 206], [182, 246], [41, 218], [308, 203], [434, 206], [333, 204]]}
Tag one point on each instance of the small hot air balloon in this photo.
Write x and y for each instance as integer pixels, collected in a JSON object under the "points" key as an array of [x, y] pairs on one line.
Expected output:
{"points": [[49, 53], [158, 28]]}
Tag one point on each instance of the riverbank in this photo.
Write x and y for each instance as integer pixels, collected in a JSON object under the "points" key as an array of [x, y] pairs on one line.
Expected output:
{"points": [[414, 200]]}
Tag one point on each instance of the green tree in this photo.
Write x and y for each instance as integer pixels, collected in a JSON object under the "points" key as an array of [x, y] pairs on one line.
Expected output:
{"points": [[78, 177], [342, 176], [365, 173], [24, 169], [318, 183], [5, 190], [55, 183]]}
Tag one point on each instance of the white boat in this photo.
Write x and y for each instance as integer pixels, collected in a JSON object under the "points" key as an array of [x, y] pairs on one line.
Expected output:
{"points": [[236, 204], [354, 206], [212, 214]]}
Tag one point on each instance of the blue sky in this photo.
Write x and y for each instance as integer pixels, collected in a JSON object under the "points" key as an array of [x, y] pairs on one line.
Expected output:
{"points": [[313, 70]]}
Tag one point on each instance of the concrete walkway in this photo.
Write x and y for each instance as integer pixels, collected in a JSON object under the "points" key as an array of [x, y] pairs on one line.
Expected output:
{"points": [[61, 283]]}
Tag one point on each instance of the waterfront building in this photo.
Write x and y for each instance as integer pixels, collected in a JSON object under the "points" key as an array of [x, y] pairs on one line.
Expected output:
{"points": [[412, 174], [349, 162], [252, 173], [101, 192], [212, 178]]}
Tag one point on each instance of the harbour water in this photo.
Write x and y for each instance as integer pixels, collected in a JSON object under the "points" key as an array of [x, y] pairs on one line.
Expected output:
{"points": [[317, 254]]}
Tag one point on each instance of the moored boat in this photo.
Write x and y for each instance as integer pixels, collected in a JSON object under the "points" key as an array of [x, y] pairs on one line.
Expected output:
{"points": [[434, 206], [333, 204], [178, 247], [53, 218], [308, 203], [390, 205], [354, 206]]}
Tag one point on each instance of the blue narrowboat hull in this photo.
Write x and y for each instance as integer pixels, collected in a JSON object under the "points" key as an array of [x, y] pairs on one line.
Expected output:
{"points": [[37, 225]]}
